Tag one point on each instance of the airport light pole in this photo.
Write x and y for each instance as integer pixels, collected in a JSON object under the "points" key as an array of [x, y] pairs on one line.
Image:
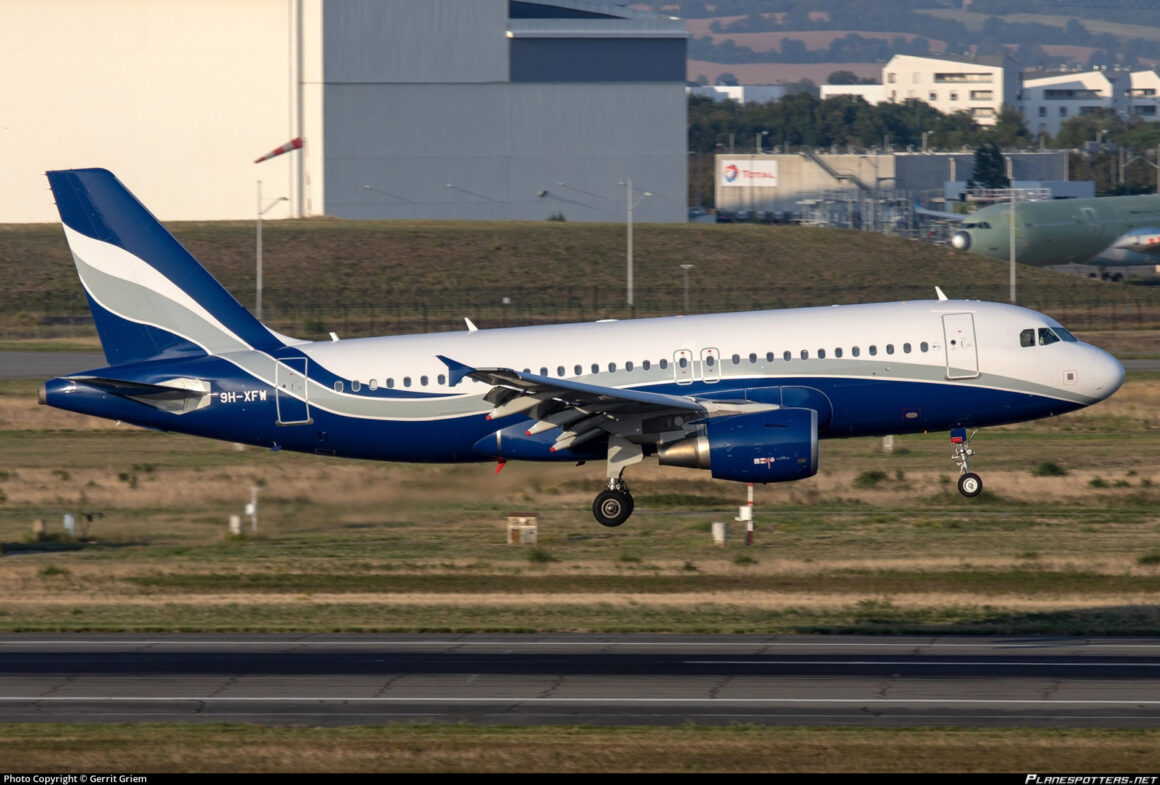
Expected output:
{"points": [[258, 276], [685, 268], [631, 204], [1155, 166]]}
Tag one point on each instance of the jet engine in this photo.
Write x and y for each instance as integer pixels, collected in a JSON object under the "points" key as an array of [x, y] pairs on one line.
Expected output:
{"points": [[772, 446]]}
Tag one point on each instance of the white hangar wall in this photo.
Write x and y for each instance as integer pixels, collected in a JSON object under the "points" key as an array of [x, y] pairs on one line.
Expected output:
{"points": [[445, 108], [177, 98]]}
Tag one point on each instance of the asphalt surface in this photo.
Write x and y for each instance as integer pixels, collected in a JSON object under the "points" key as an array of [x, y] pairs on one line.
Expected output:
{"points": [[47, 365], [601, 680]]}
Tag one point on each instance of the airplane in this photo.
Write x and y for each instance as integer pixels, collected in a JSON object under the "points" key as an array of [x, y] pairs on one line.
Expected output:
{"points": [[745, 396], [1100, 231]]}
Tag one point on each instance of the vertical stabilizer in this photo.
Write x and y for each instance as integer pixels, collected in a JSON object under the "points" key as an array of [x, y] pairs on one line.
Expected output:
{"points": [[149, 297]]}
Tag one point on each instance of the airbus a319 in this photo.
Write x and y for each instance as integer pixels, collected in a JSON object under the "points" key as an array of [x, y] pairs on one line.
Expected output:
{"points": [[744, 396]]}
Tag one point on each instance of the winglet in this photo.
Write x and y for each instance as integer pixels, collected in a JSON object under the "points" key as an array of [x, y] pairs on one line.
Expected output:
{"points": [[471, 328], [941, 297], [456, 371]]}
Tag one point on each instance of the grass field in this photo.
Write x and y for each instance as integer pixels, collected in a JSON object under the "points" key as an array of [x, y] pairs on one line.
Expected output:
{"points": [[975, 21], [403, 748], [371, 278], [1065, 540]]}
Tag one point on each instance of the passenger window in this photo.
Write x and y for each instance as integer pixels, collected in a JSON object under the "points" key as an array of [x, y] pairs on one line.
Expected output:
{"points": [[612, 367], [355, 385], [646, 365], [769, 357], [821, 354], [338, 386], [406, 381], [560, 370], [1046, 336], [873, 350], [753, 359], [442, 379], [595, 368], [664, 364], [805, 354], [684, 362], [543, 372], [391, 383], [856, 351], [906, 348], [579, 370], [924, 346], [838, 352], [423, 380], [710, 361], [890, 348], [737, 359], [628, 366], [1027, 338], [374, 385], [786, 355]]}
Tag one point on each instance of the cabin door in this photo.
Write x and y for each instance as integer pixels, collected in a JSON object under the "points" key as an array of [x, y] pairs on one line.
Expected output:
{"points": [[959, 343], [293, 406]]}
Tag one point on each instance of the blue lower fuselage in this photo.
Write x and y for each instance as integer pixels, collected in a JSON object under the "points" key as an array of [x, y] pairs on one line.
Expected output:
{"points": [[242, 408]]}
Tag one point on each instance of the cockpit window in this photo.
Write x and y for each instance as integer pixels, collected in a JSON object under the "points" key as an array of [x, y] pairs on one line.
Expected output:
{"points": [[1046, 336], [1065, 335], [984, 225], [1027, 337]]}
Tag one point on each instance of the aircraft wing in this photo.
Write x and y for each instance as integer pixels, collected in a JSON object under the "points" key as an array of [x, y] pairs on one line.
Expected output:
{"points": [[946, 216], [585, 411], [1146, 241]]}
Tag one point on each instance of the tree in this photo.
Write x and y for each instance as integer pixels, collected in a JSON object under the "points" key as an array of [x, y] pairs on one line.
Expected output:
{"points": [[843, 77], [1009, 129], [990, 168]]}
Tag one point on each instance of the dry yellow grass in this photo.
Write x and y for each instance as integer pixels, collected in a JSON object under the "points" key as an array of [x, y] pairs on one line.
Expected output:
{"points": [[402, 749]]}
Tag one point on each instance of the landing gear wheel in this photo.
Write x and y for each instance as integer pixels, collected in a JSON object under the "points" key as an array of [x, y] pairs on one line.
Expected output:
{"points": [[970, 485], [612, 508]]}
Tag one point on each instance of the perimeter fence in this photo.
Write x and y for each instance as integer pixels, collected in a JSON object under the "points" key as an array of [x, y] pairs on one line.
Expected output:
{"points": [[361, 313]]}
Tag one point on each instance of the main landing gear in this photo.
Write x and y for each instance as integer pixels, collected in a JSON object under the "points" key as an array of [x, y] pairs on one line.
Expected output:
{"points": [[970, 485], [614, 504]]}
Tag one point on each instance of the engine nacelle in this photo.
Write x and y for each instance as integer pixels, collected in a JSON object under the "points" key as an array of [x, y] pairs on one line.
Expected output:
{"points": [[773, 446]]}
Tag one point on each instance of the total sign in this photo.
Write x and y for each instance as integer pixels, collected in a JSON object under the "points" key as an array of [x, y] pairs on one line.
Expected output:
{"points": [[749, 173]]}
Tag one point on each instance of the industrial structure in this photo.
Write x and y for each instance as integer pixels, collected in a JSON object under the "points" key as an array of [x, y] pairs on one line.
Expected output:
{"points": [[465, 109], [869, 190]]}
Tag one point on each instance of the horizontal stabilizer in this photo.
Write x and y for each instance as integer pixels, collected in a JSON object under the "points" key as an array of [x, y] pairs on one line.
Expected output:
{"points": [[176, 396]]}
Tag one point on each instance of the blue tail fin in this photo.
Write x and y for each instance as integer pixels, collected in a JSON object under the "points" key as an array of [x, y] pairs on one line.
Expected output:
{"points": [[149, 297]]}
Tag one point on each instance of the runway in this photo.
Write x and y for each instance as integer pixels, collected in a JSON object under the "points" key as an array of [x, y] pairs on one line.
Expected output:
{"points": [[330, 680]]}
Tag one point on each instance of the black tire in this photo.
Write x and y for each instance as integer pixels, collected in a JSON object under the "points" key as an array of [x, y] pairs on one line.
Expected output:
{"points": [[612, 508], [970, 485]]}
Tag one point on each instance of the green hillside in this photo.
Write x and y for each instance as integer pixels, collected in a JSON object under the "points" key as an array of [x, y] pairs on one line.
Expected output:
{"points": [[370, 277]]}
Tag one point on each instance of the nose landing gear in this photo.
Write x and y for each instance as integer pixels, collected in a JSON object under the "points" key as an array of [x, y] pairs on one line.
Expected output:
{"points": [[970, 484]]}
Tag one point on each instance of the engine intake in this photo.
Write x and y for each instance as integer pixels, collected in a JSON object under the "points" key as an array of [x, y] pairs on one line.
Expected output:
{"points": [[773, 446]]}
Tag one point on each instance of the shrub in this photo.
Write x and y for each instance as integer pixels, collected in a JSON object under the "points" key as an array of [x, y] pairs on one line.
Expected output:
{"points": [[1049, 469]]}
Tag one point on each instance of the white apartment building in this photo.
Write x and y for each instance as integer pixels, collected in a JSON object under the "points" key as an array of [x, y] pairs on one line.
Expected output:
{"points": [[1049, 101], [980, 86], [1144, 95]]}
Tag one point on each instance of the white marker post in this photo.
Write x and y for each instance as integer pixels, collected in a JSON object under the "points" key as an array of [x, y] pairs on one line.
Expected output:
{"points": [[745, 515]]}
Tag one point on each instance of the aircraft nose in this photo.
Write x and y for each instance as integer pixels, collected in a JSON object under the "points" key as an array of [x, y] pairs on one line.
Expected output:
{"points": [[961, 241], [1106, 374]]}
